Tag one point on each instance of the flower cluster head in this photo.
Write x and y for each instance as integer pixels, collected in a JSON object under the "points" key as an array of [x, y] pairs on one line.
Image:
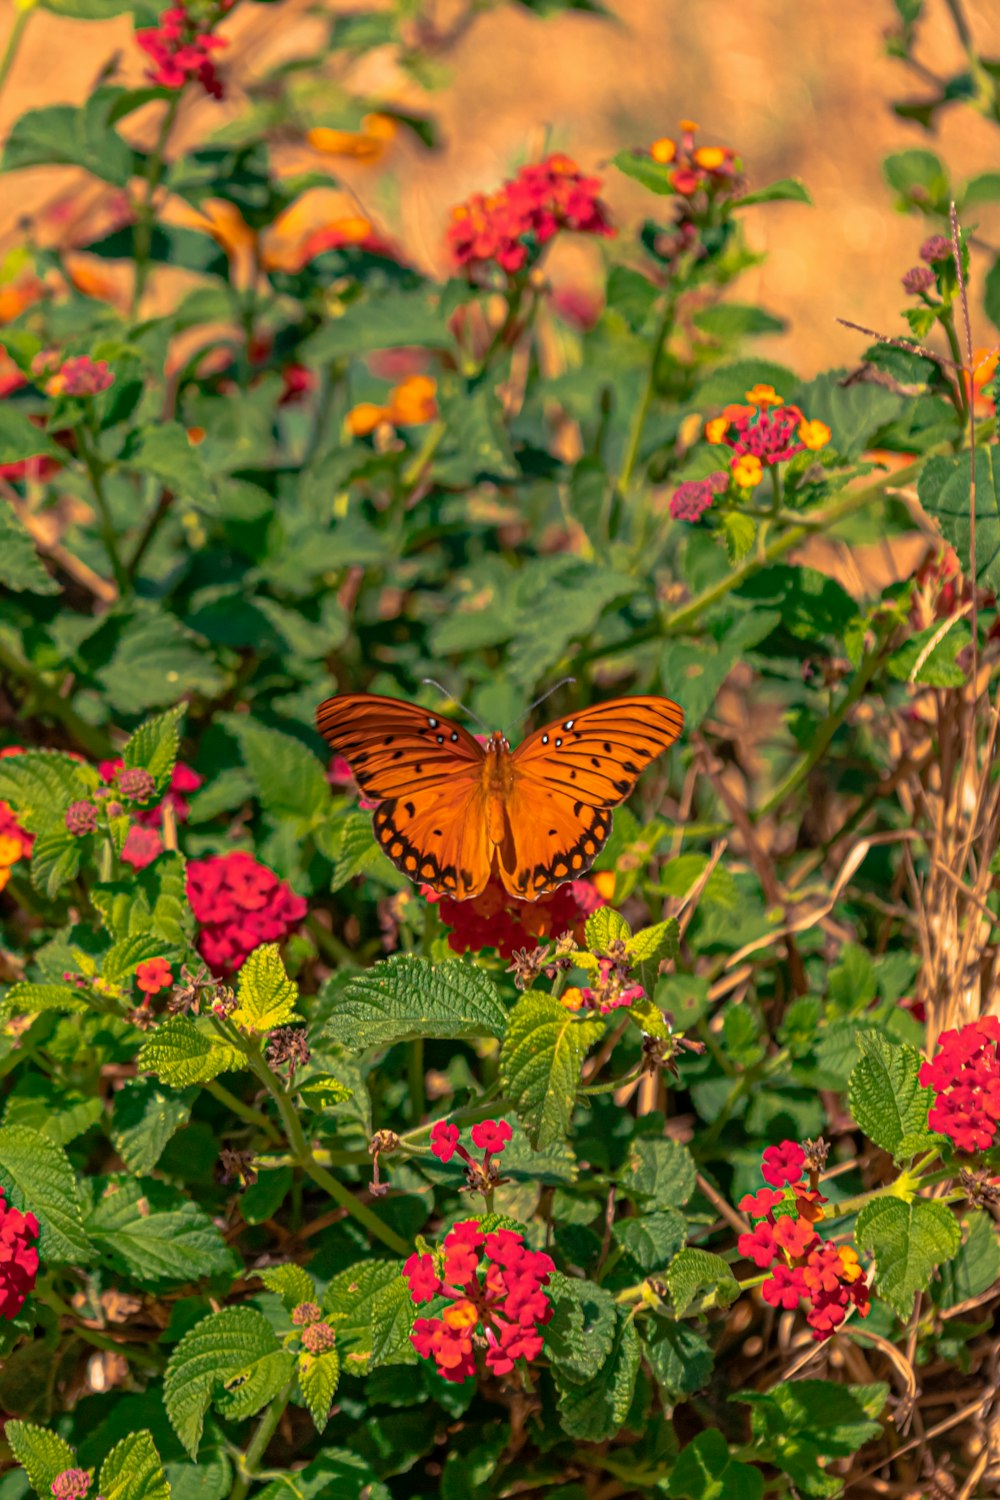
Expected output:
{"points": [[77, 376], [828, 1278], [713, 170], [489, 1136], [288, 1048], [18, 1257], [410, 404], [494, 1290], [613, 989], [496, 919], [81, 817], [71, 1484], [764, 432], [917, 280], [181, 53], [691, 499], [154, 975], [144, 841], [15, 841], [508, 228], [965, 1077], [238, 905]]}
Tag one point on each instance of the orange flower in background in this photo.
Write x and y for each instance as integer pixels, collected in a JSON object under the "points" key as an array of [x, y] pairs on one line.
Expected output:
{"points": [[15, 842], [984, 369], [366, 144], [664, 150], [364, 418], [410, 404], [15, 296], [710, 167]]}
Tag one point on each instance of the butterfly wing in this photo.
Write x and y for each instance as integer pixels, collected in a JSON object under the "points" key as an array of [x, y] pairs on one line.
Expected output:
{"points": [[567, 778], [426, 774]]}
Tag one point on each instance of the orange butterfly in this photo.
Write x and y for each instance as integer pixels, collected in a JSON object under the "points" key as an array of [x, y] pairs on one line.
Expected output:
{"points": [[451, 813]]}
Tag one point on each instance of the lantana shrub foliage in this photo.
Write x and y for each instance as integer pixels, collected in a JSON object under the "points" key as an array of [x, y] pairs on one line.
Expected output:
{"points": [[679, 1181]]}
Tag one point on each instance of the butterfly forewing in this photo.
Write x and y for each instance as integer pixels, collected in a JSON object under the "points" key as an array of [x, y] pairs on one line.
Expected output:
{"points": [[596, 756]]}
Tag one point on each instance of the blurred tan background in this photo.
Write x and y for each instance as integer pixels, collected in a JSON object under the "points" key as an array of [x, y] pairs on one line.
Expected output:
{"points": [[798, 91]]}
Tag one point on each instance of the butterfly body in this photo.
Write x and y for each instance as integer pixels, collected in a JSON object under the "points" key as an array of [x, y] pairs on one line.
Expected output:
{"points": [[452, 812]]}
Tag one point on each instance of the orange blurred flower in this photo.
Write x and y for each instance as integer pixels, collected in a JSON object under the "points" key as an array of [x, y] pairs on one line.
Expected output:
{"points": [[747, 470], [814, 434], [412, 402], [364, 418], [664, 150], [763, 395], [366, 144]]}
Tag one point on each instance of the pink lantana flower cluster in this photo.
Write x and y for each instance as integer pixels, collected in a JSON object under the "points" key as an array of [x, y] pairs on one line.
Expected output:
{"points": [[77, 376], [144, 840], [238, 905], [691, 499], [765, 432], [18, 1257], [494, 1288], [965, 1076], [508, 228], [181, 53], [827, 1278]]}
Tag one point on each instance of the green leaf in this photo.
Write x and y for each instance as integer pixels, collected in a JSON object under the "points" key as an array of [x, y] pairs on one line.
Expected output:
{"points": [[355, 1301], [853, 413], [706, 1470], [785, 190], [800, 1422], [290, 780], [943, 490], [348, 842], [976, 1266], [731, 382], [154, 1234], [42, 1455], [696, 670], [181, 1051], [919, 177], [265, 995], [392, 1318], [27, 999], [62, 135], [540, 1063], [604, 927], [155, 745], [733, 321], [215, 1352], [885, 1094], [292, 1284], [596, 1410], [39, 784], [740, 532], [144, 1119], [155, 664], [37, 1178], [932, 657], [573, 606], [659, 1170], [652, 1240], [651, 944], [579, 1336], [55, 859], [165, 452], [678, 1356], [319, 1376], [335, 1475], [405, 997], [124, 956], [389, 321], [133, 1471], [694, 1271], [640, 166], [20, 438], [21, 568], [322, 1091], [908, 1240]]}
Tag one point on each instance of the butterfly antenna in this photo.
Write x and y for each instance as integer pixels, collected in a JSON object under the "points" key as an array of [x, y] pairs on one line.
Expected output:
{"points": [[548, 694], [432, 682]]}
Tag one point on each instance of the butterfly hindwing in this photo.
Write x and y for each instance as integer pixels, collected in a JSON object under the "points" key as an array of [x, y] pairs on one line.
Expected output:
{"points": [[553, 839], [596, 756], [437, 837]]}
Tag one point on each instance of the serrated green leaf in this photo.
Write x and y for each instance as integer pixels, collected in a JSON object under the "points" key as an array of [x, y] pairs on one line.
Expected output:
{"points": [[392, 1318], [219, 1349], [405, 997], [652, 1240], [651, 944], [21, 568], [319, 1376], [252, 1388], [740, 531], [786, 190], [26, 999], [154, 1234], [386, 322], [943, 490], [133, 1471], [266, 997], [349, 844], [976, 1266], [908, 1240], [706, 1470], [596, 1409], [59, 1112], [166, 453], [540, 1064], [659, 1171], [144, 1119], [156, 662], [290, 780], [40, 784], [322, 1091], [678, 1356], [42, 1455], [181, 1052], [579, 1336], [55, 859], [154, 746], [63, 135], [604, 927], [292, 1284], [37, 1177], [694, 1271], [335, 1475], [124, 956], [351, 1302], [884, 1091]]}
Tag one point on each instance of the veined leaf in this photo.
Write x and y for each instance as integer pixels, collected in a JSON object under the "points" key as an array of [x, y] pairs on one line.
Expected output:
{"points": [[908, 1240], [181, 1051], [265, 995], [219, 1349], [406, 997], [133, 1471], [540, 1064]]}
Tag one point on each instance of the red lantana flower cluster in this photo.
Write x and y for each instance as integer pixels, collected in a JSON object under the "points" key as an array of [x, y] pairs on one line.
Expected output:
{"points": [[77, 376], [765, 432], [508, 228], [489, 1136], [181, 53], [153, 975], [15, 841], [238, 905], [496, 919], [144, 841], [828, 1278], [965, 1076], [494, 1286], [713, 169], [18, 1257]]}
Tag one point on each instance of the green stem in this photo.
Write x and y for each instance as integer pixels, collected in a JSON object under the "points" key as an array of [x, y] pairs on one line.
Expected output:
{"points": [[414, 470], [142, 240], [52, 705], [13, 43], [246, 1112], [251, 1460], [645, 402], [95, 472], [156, 517]]}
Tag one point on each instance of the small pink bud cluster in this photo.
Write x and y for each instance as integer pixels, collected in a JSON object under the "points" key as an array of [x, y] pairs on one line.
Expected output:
{"points": [[77, 376], [965, 1076], [613, 990], [828, 1279], [494, 1286], [691, 499], [71, 1484]]}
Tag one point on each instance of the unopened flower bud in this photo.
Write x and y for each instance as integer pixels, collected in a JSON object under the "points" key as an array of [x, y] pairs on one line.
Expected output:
{"points": [[81, 818]]}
